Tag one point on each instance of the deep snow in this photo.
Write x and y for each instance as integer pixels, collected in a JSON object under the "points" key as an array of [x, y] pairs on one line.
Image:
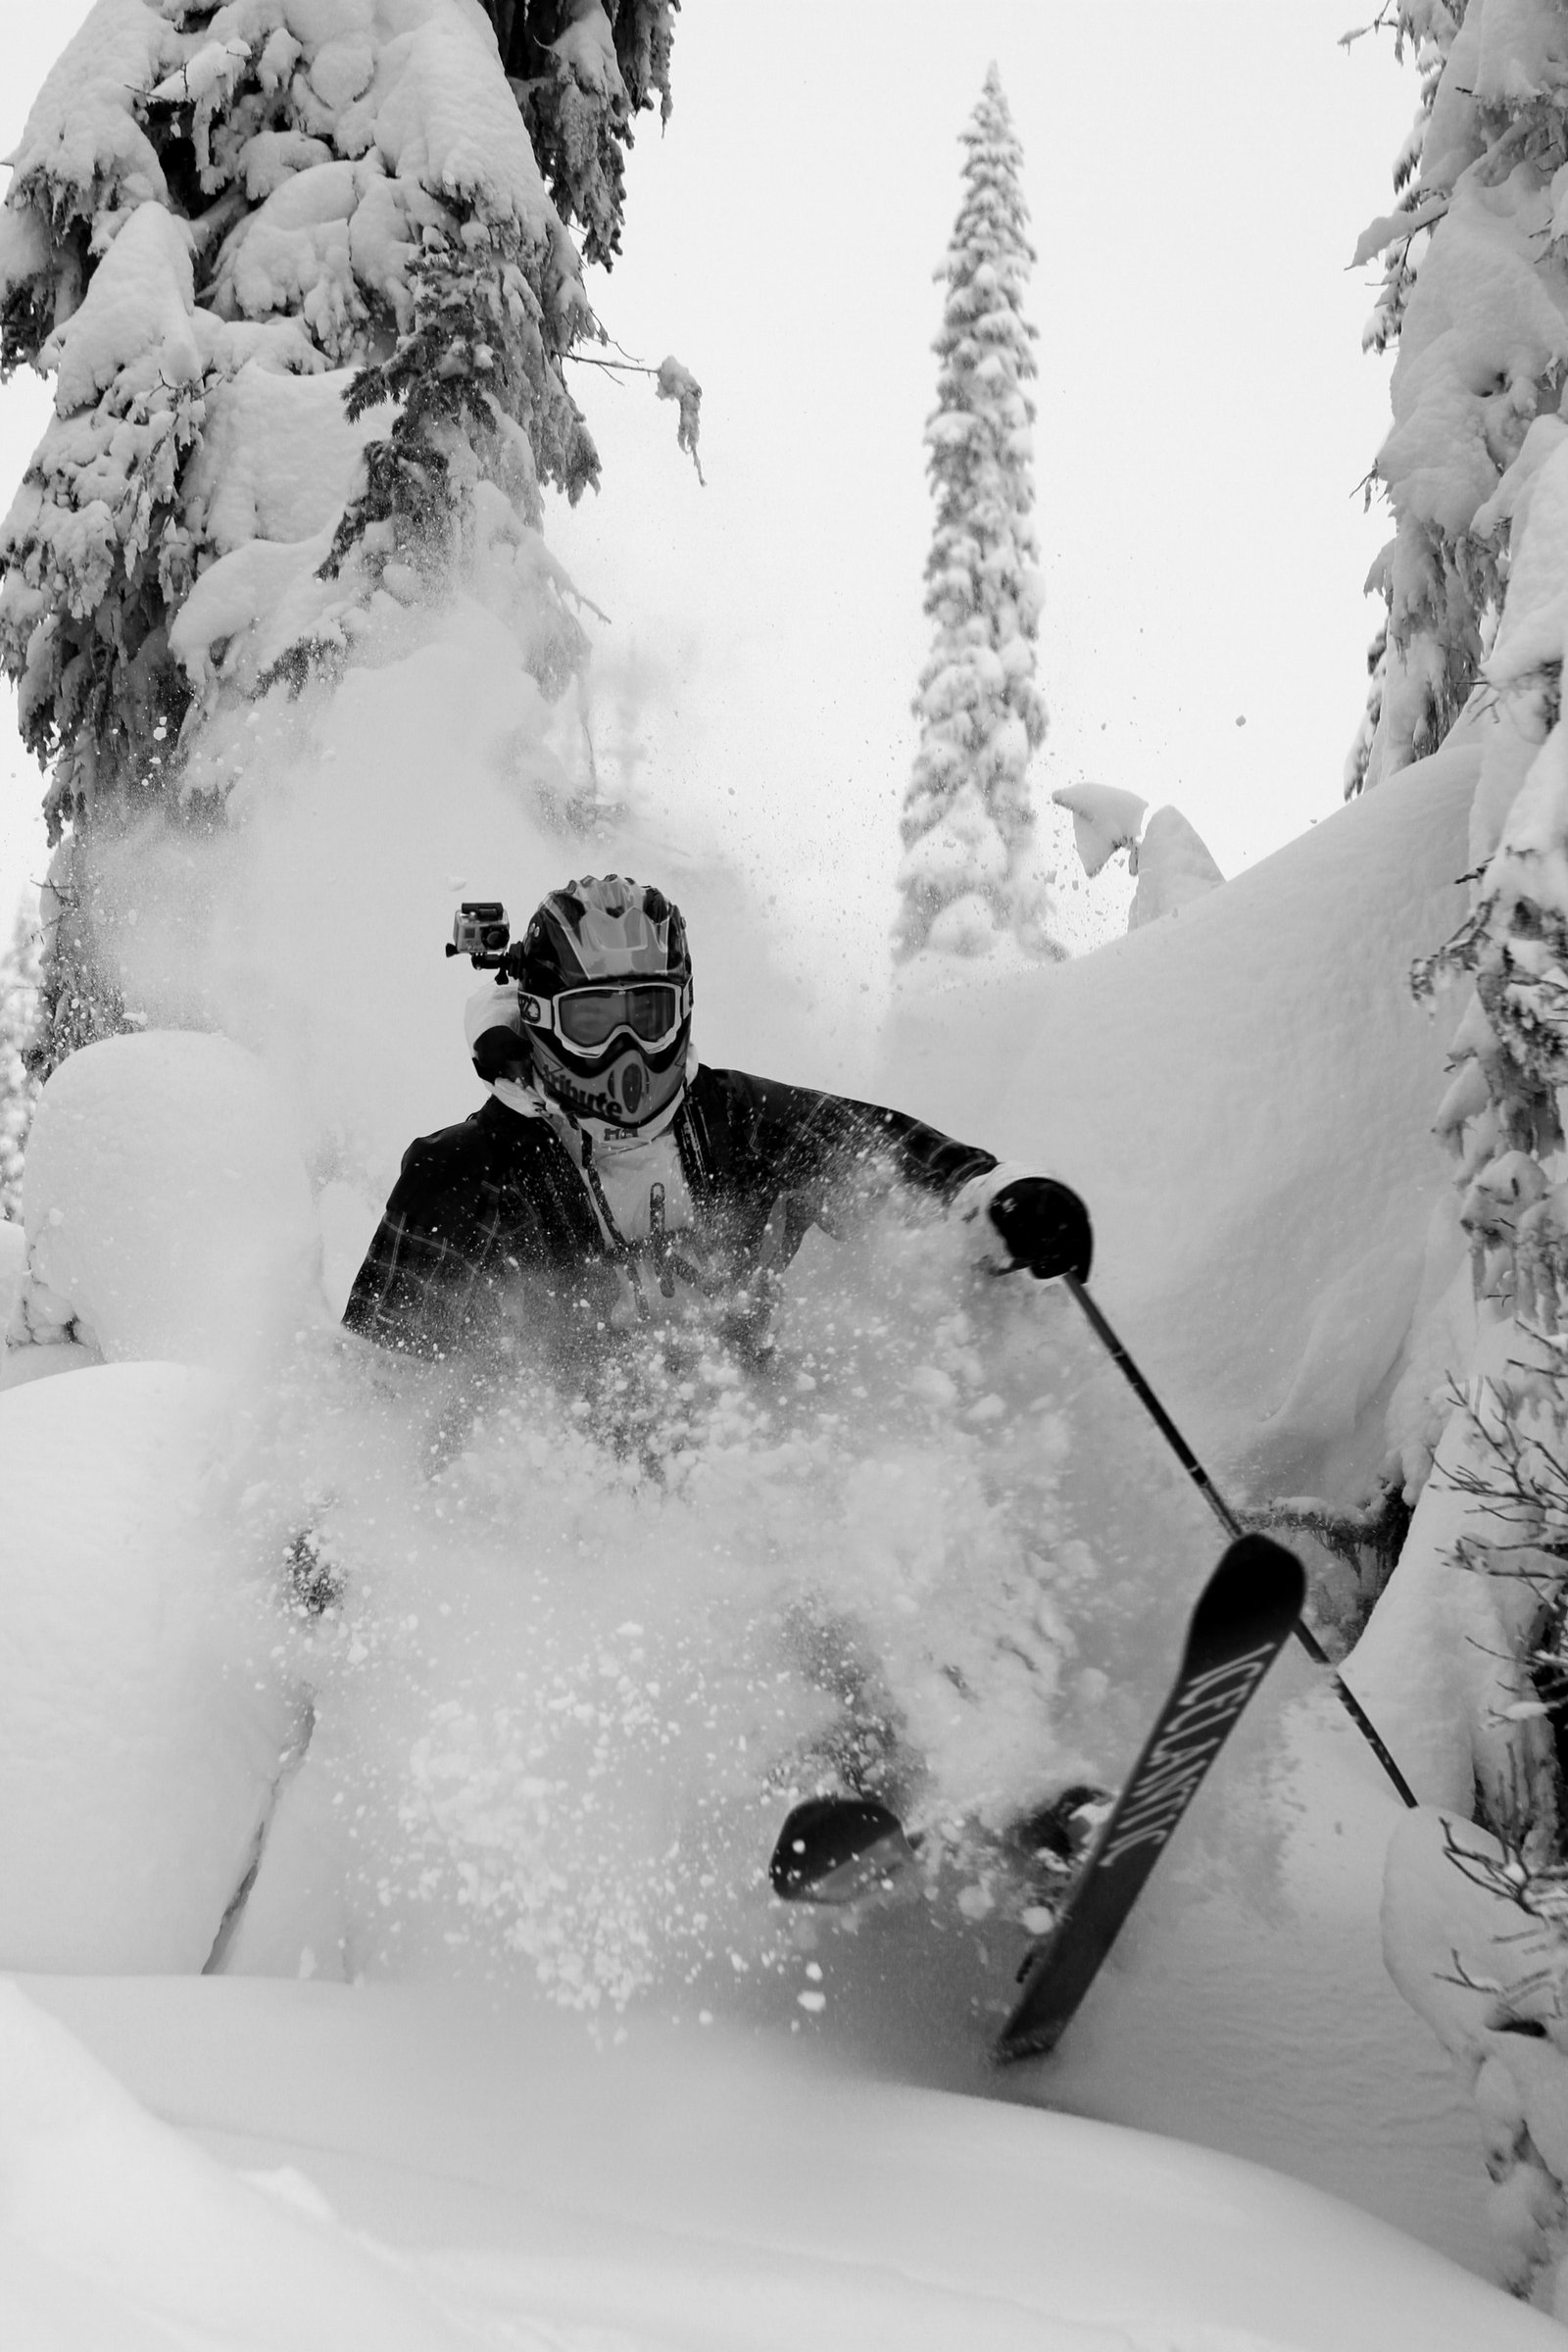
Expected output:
{"points": [[512, 1789], [689, 2189]]}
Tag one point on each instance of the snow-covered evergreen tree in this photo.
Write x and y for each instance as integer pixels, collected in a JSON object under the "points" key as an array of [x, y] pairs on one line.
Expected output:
{"points": [[307, 300], [1482, 348], [1475, 468], [19, 968], [581, 72], [967, 878]]}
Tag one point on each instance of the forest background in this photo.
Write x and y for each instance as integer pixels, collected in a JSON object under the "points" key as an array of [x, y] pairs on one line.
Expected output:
{"points": [[1205, 418]]}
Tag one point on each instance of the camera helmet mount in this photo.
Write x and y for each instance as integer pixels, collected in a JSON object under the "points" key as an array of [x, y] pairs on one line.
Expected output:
{"points": [[604, 995]]}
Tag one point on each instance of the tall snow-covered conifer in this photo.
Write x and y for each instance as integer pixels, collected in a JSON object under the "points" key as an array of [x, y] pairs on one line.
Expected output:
{"points": [[967, 880], [1476, 469], [1473, 295], [305, 297]]}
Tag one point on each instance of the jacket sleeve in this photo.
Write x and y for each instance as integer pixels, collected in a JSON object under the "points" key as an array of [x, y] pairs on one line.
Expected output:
{"points": [[428, 1264], [830, 1147]]}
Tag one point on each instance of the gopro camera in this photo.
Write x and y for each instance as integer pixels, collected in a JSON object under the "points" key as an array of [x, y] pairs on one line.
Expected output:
{"points": [[481, 932]]}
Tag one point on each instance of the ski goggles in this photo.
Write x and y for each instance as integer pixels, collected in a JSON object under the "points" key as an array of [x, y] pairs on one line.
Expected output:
{"points": [[589, 1017]]}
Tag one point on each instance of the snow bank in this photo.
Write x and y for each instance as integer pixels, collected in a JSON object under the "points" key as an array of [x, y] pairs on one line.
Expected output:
{"points": [[687, 2190], [1248, 1111], [166, 1203], [141, 1714]]}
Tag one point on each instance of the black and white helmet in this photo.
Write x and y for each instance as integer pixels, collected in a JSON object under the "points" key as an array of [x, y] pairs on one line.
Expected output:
{"points": [[604, 1000]]}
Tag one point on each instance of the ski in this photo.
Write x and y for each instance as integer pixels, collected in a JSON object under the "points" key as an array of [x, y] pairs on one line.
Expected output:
{"points": [[1243, 1619]]}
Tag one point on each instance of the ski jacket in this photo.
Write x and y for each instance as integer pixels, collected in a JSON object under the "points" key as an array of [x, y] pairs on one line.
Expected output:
{"points": [[496, 1227]]}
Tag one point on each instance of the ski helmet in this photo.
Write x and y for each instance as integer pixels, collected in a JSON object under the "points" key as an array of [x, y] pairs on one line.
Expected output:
{"points": [[605, 998]]}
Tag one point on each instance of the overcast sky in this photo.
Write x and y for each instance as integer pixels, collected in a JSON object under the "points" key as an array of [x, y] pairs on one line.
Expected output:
{"points": [[1197, 180]]}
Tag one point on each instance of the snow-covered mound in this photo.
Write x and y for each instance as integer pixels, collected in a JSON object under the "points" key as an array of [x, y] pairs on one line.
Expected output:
{"points": [[1246, 1099], [674, 2193], [1173, 867], [140, 1718], [166, 1207]]}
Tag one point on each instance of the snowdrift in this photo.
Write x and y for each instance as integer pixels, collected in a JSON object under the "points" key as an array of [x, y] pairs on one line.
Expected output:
{"points": [[141, 1713], [1244, 1092], [684, 2191]]}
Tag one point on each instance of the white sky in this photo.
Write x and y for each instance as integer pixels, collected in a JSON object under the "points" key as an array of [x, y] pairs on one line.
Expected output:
{"points": [[1197, 180]]}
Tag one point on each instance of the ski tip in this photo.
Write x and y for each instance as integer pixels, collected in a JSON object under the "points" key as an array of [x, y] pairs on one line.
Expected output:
{"points": [[1256, 1575], [825, 1837]]}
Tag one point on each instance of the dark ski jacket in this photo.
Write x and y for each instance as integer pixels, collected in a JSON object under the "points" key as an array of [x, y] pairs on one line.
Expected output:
{"points": [[490, 1229]]}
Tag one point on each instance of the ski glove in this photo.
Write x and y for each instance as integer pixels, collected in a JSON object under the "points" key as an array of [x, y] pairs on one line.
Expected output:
{"points": [[1029, 1220]]}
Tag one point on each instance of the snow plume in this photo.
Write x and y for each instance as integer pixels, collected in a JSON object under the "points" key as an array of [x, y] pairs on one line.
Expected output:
{"points": [[563, 1648], [309, 925], [582, 1652]]}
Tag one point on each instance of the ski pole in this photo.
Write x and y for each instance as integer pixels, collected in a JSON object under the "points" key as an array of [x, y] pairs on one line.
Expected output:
{"points": [[1230, 1522]]}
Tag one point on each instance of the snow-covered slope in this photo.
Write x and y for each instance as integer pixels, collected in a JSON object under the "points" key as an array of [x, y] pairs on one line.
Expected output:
{"points": [[680, 2192]]}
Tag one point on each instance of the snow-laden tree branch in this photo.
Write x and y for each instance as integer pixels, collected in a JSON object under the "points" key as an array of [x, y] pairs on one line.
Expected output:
{"points": [[306, 295]]}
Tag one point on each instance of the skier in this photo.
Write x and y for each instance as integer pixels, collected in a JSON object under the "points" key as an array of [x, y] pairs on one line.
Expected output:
{"points": [[613, 1183], [612, 1180]]}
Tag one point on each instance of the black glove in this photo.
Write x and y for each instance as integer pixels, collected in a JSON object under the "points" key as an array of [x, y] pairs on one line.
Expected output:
{"points": [[1043, 1226]]}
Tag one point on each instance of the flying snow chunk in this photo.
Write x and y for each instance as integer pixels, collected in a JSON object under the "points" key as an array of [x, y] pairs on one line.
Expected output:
{"points": [[141, 1717], [165, 1200], [1104, 820]]}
